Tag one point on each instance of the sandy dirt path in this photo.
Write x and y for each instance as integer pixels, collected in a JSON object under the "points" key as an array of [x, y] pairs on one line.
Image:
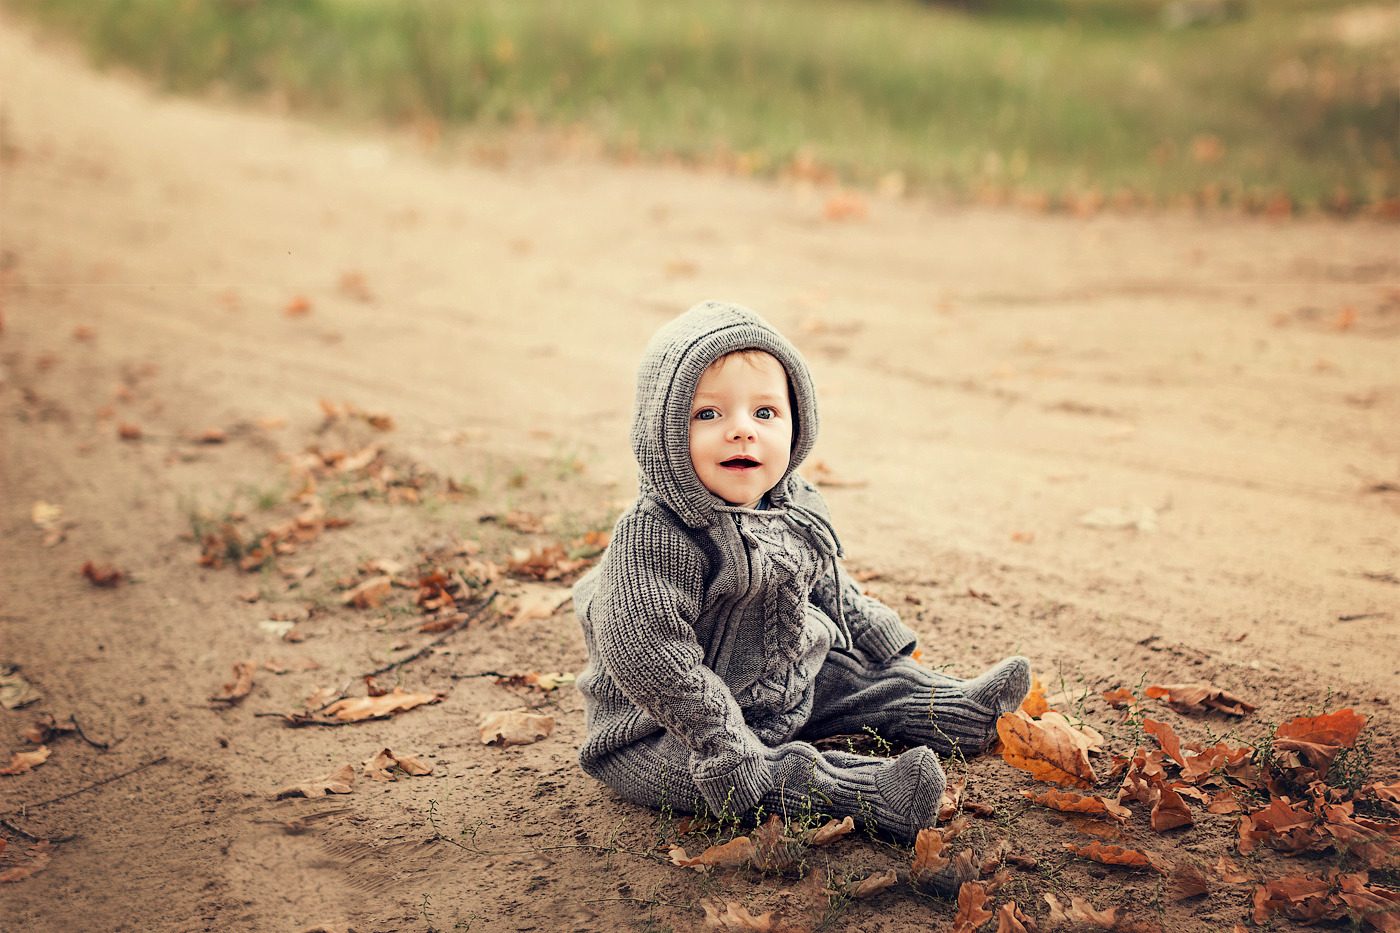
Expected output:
{"points": [[991, 377]]}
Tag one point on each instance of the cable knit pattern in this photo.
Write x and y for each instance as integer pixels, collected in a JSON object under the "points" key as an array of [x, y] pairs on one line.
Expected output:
{"points": [[719, 636]]}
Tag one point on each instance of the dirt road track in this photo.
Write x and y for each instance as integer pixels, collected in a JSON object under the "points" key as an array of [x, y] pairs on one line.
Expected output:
{"points": [[991, 376]]}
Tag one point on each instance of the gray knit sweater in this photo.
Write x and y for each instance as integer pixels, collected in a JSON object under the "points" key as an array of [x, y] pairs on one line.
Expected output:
{"points": [[709, 620]]}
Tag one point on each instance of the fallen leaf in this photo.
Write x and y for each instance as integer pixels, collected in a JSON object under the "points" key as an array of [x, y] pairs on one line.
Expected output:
{"points": [[1081, 911], [928, 857], [543, 562], [1227, 872], [360, 708], [1199, 698], [845, 205], [951, 800], [1170, 811], [386, 766], [1048, 754], [830, 831], [1035, 705], [1069, 802], [102, 574], [514, 727], [297, 306], [971, 912], [1107, 518], [44, 515], [26, 761], [38, 861], [1122, 698], [1387, 794], [533, 601], [1117, 855], [1010, 919], [369, 594], [239, 687], [875, 883], [340, 781], [280, 666], [774, 850], [1304, 898], [734, 853], [727, 915], [15, 691], [128, 431], [1187, 880], [43, 729]]}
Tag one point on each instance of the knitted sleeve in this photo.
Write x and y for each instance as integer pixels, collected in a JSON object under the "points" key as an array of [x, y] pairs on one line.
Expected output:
{"points": [[644, 615]]}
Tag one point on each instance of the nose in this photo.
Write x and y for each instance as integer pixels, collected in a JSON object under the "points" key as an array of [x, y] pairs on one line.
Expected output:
{"points": [[743, 430]]}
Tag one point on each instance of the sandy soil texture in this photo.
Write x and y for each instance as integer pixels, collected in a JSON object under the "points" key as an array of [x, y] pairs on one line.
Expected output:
{"points": [[1140, 449]]}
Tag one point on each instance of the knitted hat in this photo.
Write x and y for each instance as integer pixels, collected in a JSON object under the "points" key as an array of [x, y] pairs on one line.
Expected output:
{"points": [[671, 367]]}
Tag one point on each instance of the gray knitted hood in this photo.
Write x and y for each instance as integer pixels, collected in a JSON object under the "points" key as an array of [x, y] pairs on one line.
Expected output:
{"points": [[670, 370]]}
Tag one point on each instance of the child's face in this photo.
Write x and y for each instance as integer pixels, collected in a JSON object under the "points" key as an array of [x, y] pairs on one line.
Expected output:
{"points": [[741, 427]]}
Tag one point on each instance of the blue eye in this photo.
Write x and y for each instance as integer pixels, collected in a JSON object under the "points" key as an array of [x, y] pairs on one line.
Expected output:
{"points": [[706, 414], [765, 413]]}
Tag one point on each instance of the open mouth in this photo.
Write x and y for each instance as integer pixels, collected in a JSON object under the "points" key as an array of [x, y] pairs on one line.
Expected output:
{"points": [[740, 463]]}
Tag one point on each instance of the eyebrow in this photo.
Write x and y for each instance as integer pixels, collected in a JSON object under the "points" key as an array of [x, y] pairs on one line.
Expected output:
{"points": [[766, 397]]}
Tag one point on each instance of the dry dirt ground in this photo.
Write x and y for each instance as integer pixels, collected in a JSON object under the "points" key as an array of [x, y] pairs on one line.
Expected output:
{"points": [[1230, 386]]}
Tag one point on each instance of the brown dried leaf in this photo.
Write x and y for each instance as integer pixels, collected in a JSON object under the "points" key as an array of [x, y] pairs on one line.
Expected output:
{"points": [[735, 852], [1169, 811], [238, 688], [830, 831], [340, 781], [971, 912], [1069, 802], [1188, 880], [386, 766], [104, 575], [1010, 919], [1048, 754], [822, 475], [1387, 794], [44, 728], [38, 861], [514, 727], [1305, 898], [875, 883], [1199, 698], [1122, 698], [951, 801], [1117, 855], [369, 594], [1227, 872], [1035, 705], [359, 708], [727, 915], [773, 849], [1225, 802], [26, 761]]}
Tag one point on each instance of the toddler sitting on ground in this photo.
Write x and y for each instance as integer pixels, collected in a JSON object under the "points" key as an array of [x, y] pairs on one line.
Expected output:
{"points": [[723, 634]]}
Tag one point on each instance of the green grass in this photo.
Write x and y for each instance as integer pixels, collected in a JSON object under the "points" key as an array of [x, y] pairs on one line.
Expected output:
{"points": [[1049, 96]]}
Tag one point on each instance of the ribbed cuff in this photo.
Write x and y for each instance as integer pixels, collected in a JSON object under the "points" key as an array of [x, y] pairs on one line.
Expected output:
{"points": [[884, 639], [736, 790]]}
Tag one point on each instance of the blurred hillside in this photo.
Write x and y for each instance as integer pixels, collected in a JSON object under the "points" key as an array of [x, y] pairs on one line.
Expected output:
{"points": [[1267, 106]]}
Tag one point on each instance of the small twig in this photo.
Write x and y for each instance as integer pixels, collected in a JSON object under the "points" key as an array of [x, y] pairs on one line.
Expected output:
{"points": [[298, 721], [83, 735], [55, 840], [1363, 615], [437, 641], [80, 790], [477, 674]]}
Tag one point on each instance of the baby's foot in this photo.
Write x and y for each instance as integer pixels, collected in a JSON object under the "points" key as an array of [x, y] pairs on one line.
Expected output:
{"points": [[899, 796], [909, 790], [964, 713]]}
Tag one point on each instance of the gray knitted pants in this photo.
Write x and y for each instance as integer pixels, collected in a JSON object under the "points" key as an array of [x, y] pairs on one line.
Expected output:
{"points": [[901, 700]]}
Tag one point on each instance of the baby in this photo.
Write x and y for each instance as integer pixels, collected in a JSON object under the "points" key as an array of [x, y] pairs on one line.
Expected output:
{"points": [[724, 635]]}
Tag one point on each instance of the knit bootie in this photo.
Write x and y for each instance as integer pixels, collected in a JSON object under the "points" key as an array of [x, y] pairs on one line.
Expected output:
{"points": [[899, 796], [964, 713]]}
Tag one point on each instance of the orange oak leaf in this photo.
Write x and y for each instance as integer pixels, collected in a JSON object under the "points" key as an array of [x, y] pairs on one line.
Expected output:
{"points": [[928, 855], [514, 727], [1035, 705], [951, 801], [1305, 898], [971, 912], [1070, 802], [26, 761], [1199, 698], [1374, 843], [1117, 855], [1169, 811], [104, 575], [831, 830], [340, 781], [1010, 919], [1047, 754], [356, 709], [238, 688], [727, 915], [369, 594], [735, 852], [1377, 907], [875, 883], [38, 861], [1283, 826], [386, 766], [1122, 698]]}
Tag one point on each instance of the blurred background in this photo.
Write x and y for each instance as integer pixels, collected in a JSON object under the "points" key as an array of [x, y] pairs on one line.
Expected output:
{"points": [[1271, 106]]}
